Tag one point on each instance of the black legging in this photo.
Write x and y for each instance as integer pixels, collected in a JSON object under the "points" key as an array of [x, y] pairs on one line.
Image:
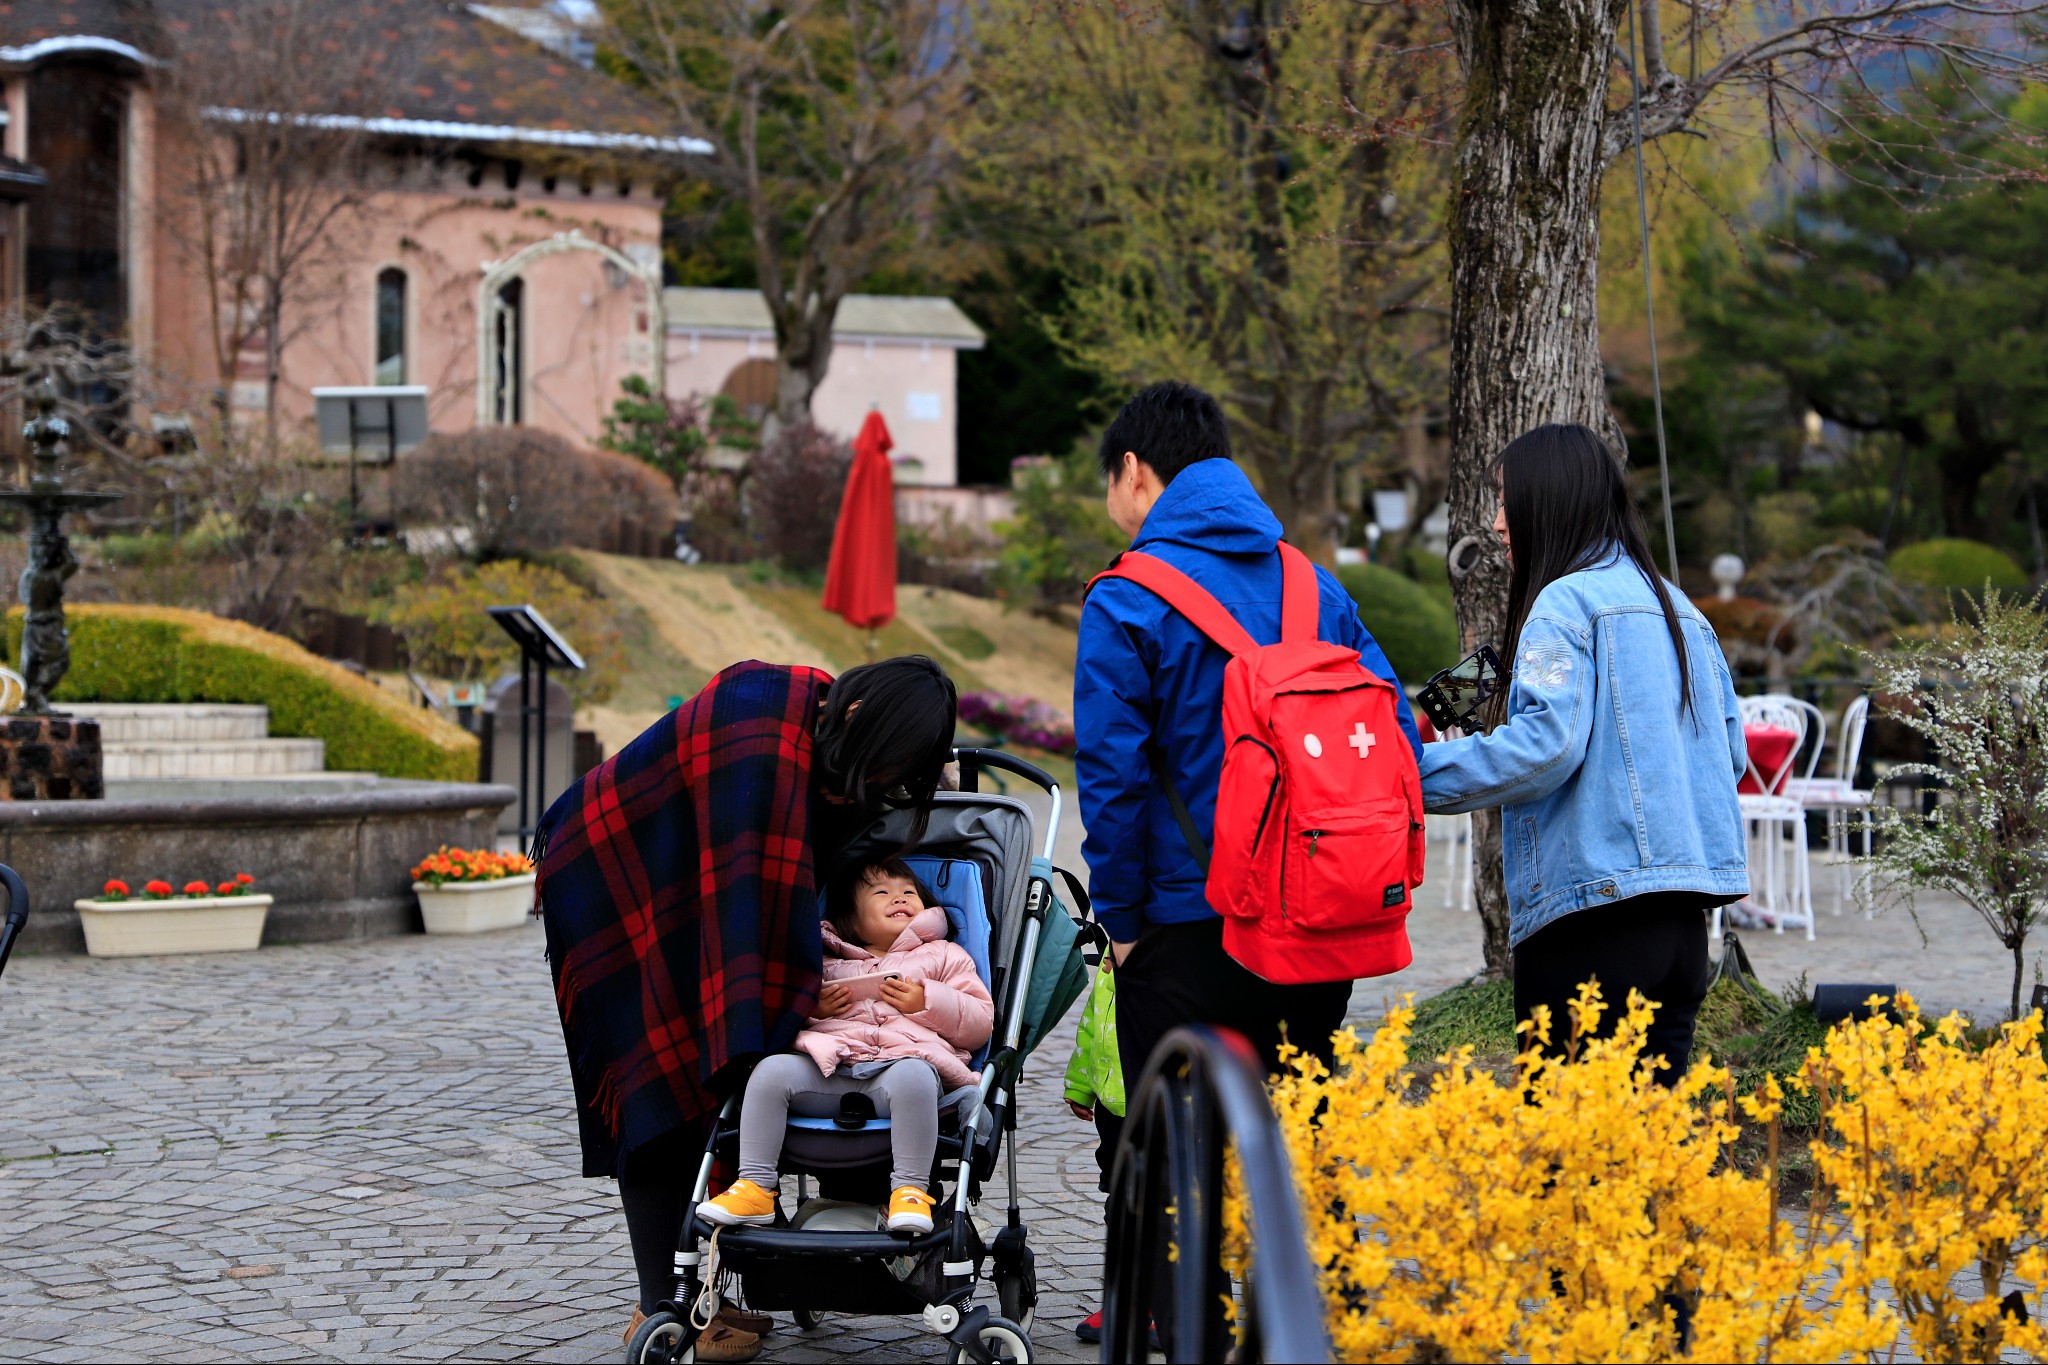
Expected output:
{"points": [[1656, 944], [654, 1188]]}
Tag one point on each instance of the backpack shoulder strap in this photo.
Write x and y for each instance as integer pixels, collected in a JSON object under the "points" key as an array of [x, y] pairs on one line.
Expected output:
{"points": [[1301, 598], [1185, 596]]}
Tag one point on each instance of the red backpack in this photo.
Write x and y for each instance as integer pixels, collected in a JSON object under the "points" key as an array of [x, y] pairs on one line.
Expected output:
{"points": [[1319, 834]]}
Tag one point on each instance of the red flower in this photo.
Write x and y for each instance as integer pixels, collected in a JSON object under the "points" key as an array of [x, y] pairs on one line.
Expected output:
{"points": [[156, 887], [198, 889], [227, 888], [115, 887], [244, 878]]}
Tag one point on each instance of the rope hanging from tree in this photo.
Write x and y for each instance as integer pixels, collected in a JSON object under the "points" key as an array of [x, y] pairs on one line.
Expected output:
{"points": [[1635, 106]]}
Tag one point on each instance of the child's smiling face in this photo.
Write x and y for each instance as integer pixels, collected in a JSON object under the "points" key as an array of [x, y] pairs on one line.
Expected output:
{"points": [[884, 906]]}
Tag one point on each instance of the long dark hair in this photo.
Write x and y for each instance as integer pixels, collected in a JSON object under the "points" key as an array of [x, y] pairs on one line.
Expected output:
{"points": [[1568, 506], [886, 735]]}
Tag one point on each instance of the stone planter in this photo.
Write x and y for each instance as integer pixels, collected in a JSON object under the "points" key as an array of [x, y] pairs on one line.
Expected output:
{"points": [[475, 907], [202, 924]]}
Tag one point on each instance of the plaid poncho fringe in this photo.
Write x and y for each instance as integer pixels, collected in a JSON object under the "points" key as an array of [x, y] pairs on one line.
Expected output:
{"points": [[680, 898]]}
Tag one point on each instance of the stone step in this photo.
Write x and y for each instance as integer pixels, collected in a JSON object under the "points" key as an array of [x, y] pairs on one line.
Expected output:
{"points": [[131, 760], [153, 723]]}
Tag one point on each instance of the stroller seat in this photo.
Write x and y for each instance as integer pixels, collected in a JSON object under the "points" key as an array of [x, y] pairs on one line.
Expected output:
{"points": [[827, 1143]]}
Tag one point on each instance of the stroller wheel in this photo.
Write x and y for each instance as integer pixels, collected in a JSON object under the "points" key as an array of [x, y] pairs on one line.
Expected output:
{"points": [[806, 1320], [660, 1342], [1004, 1341]]}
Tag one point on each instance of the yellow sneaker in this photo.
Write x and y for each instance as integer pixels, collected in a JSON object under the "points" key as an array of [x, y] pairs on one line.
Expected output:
{"points": [[910, 1210], [743, 1202]]}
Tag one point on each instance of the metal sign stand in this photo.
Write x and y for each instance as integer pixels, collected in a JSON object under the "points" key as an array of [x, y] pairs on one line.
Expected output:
{"points": [[540, 648]]}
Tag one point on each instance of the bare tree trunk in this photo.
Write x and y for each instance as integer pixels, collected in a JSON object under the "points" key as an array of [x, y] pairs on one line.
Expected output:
{"points": [[1525, 249], [2019, 969]]}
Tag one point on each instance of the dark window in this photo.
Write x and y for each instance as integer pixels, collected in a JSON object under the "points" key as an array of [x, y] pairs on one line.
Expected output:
{"points": [[507, 388], [391, 326], [75, 124]]}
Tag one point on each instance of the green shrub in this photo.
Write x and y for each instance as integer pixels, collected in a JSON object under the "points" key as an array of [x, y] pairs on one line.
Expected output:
{"points": [[447, 633], [165, 654], [1957, 565], [1060, 537], [1418, 630]]}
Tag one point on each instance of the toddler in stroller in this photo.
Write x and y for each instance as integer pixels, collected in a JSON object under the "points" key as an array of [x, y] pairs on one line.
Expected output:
{"points": [[899, 1016]]}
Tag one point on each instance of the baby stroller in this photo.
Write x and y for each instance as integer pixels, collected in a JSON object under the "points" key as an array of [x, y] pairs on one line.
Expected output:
{"points": [[17, 912], [832, 1255]]}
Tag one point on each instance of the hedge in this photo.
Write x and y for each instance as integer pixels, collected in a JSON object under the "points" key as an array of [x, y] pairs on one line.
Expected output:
{"points": [[163, 654], [1957, 565], [1416, 629]]}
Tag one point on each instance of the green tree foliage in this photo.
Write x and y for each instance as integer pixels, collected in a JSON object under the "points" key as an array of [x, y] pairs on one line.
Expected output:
{"points": [[447, 633], [673, 434], [1906, 297], [1252, 198], [1060, 537], [829, 132], [1413, 625]]}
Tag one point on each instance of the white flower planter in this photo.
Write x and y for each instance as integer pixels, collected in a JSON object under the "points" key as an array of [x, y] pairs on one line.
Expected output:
{"points": [[203, 924], [475, 907]]}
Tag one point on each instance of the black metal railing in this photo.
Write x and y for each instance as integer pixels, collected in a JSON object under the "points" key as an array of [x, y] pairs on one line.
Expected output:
{"points": [[17, 911], [1204, 1089]]}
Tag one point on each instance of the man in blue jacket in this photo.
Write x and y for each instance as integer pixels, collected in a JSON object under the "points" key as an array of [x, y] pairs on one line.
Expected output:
{"points": [[1148, 704]]}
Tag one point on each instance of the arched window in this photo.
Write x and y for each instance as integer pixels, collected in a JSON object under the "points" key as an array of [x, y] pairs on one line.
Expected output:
{"points": [[391, 326], [508, 396]]}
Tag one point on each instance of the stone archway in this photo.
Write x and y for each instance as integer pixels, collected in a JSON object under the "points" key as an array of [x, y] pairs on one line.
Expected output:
{"points": [[493, 313]]}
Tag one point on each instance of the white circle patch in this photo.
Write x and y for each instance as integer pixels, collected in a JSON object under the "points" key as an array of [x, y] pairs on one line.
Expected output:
{"points": [[1313, 745]]}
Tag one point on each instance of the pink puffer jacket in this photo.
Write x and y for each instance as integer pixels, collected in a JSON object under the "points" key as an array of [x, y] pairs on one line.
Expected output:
{"points": [[956, 1017]]}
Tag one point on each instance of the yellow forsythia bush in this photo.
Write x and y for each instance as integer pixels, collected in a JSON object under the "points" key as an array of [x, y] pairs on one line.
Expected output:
{"points": [[1575, 1212]]}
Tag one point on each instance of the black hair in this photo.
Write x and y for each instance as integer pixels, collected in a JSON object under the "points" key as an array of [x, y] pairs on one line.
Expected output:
{"points": [[841, 912], [886, 735], [1169, 426], [1568, 504]]}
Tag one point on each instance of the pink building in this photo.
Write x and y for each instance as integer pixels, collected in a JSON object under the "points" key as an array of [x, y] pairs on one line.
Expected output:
{"points": [[500, 245]]}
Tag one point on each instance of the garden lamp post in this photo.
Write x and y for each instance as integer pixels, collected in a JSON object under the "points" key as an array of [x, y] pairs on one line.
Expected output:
{"points": [[45, 644]]}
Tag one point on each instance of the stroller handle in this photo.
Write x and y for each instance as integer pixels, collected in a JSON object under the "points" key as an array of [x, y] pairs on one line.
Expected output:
{"points": [[17, 911], [972, 761]]}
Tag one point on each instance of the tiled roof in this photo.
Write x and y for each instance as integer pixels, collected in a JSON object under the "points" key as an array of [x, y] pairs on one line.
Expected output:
{"points": [[910, 317], [461, 68]]}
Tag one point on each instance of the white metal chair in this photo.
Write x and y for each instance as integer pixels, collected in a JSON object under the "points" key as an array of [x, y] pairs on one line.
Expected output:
{"points": [[1839, 797], [1456, 833], [1777, 823]]}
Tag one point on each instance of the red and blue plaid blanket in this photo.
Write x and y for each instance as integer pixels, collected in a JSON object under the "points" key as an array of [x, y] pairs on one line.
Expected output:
{"points": [[680, 897]]}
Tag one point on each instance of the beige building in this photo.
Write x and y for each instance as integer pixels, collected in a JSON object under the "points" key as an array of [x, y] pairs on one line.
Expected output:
{"points": [[890, 355]]}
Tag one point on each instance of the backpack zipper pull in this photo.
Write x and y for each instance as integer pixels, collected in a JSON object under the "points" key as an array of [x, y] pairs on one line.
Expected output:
{"points": [[1313, 835]]}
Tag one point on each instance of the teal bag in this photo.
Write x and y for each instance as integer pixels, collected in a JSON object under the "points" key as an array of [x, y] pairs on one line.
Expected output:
{"points": [[1060, 974]]}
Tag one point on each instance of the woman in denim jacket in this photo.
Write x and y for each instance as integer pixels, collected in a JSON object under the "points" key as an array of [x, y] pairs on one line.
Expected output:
{"points": [[1615, 769]]}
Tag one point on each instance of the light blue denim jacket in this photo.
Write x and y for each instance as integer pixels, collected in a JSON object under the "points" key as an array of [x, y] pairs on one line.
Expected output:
{"points": [[1606, 790]]}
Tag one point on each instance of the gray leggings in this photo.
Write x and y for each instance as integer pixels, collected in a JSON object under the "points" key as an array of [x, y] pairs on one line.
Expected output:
{"points": [[907, 1094]]}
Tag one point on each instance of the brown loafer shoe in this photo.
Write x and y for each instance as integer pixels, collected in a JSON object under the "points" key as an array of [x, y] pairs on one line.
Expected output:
{"points": [[740, 1320], [634, 1326], [722, 1343]]}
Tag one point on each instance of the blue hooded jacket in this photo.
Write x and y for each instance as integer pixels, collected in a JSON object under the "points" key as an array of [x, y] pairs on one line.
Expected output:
{"points": [[1145, 678]]}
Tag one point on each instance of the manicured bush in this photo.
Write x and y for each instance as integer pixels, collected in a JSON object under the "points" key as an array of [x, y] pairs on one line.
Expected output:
{"points": [[448, 634], [1957, 565], [165, 654], [1416, 629], [511, 490], [794, 488]]}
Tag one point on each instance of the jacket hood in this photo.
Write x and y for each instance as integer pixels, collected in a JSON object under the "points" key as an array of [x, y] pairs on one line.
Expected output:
{"points": [[929, 925], [1211, 506]]}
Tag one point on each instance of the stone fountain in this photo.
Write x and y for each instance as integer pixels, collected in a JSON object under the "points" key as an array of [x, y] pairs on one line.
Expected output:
{"points": [[46, 755]]}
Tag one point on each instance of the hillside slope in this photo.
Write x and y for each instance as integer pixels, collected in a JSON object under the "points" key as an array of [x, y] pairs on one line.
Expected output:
{"points": [[713, 616]]}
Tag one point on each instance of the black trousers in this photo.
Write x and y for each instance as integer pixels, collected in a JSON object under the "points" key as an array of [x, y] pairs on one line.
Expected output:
{"points": [[653, 1189], [1179, 974], [1653, 944]]}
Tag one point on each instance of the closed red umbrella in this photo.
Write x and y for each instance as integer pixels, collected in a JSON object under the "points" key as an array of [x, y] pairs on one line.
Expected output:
{"points": [[860, 583]]}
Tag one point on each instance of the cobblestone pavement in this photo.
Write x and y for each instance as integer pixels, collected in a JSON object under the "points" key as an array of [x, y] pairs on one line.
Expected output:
{"points": [[366, 1152]]}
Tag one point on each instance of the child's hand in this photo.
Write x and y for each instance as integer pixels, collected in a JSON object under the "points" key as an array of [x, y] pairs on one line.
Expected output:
{"points": [[907, 996], [1082, 1112], [834, 999]]}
